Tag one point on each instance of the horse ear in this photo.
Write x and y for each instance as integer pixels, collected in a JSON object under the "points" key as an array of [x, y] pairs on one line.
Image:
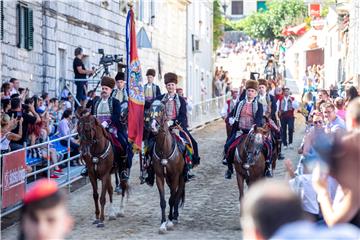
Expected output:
{"points": [[254, 127]]}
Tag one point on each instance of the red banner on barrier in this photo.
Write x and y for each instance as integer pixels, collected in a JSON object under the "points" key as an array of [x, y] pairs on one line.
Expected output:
{"points": [[13, 178]]}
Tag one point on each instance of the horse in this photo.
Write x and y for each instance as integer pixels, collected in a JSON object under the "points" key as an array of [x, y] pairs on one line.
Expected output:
{"points": [[250, 150], [168, 164], [98, 155]]}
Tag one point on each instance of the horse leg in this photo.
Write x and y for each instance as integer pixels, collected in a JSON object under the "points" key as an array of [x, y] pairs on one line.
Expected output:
{"points": [[117, 183], [180, 197], [240, 182], [104, 183], [122, 203], [112, 213], [174, 186], [93, 182], [160, 184]]}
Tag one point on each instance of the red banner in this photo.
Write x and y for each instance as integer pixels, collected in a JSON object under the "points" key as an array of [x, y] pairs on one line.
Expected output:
{"points": [[134, 85], [13, 178]]}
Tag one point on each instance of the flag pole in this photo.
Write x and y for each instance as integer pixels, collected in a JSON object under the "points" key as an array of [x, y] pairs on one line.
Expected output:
{"points": [[141, 164]]}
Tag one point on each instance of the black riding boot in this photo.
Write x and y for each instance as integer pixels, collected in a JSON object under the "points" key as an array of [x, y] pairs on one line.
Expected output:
{"points": [[268, 170], [188, 175], [84, 172], [229, 171], [150, 179]]}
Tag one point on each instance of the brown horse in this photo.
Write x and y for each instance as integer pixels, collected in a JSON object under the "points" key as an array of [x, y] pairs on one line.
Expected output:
{"points": [[97, 152], [250, 151], [168, 163]]}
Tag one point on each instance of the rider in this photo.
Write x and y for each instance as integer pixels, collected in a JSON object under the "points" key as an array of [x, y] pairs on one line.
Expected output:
{"points": [[175, 107], [121, 94], [107, 110], [151, 90], [120, 91], [247, 113]]}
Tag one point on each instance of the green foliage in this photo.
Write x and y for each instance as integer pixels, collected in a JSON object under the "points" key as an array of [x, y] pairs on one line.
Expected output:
{"points": [[218, 27], [325, 7], [269, 24]]}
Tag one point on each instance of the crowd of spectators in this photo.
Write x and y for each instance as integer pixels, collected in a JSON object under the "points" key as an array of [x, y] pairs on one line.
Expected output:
{"points": [[28, 119]]}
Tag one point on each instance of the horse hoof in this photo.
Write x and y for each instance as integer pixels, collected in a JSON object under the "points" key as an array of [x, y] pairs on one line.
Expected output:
{"points": [[121, 213], [100, 225], [162, 229], [170, 225], [96, 221], [113, 217]]}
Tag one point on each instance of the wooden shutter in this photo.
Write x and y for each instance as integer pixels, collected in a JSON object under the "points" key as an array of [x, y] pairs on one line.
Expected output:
{"points": [[29, 29]]}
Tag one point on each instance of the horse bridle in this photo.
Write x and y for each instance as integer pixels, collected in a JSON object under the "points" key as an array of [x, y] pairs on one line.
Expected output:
{"points": [[89, 142]]}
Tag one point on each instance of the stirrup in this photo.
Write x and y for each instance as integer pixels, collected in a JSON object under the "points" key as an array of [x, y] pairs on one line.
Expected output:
{"points": [[143, 176]]}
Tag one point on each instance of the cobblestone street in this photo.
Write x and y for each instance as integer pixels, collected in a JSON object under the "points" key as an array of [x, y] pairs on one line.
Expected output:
{"points": [[211, 209]]}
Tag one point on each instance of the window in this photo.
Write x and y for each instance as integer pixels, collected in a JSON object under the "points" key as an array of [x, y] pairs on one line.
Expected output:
{"points": [[1, 20], [237, 7], [25, 27], [139, 12]]}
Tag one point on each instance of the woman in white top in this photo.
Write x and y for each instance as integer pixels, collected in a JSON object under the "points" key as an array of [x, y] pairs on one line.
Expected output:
{"points": [[6, 135]]}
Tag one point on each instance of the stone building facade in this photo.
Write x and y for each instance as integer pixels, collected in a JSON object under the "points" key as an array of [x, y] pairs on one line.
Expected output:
{"points": [[59, 27], [56, 28]]}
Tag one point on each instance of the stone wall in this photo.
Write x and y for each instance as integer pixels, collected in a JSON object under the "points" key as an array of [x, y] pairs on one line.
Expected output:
{"points": [[17, 62]]}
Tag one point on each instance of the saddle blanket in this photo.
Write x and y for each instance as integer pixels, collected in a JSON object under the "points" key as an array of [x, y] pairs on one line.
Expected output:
{"points": [[239, 139]]}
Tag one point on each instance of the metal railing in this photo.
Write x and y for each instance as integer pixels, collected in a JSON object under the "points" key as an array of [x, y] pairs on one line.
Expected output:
{"points": [[201, 113], [66, 180], [206, 111]]}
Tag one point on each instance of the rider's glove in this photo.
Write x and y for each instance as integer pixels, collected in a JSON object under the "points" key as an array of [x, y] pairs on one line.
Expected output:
{"points": [[231, 121], [105, 124]]}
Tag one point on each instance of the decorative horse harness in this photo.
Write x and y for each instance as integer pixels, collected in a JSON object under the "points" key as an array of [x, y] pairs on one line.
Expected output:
{"points": [[90, 141]]}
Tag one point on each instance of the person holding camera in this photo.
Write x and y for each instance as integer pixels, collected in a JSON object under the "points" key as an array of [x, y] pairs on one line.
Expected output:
{"points": [[29, 116], [80, 73]]}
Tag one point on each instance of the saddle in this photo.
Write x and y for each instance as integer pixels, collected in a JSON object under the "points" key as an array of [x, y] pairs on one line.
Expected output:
{"points": [[267, 149]]}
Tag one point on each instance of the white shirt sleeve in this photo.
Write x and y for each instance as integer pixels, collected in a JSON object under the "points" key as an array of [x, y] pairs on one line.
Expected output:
{"points": [[223, 112], [278, 105]]}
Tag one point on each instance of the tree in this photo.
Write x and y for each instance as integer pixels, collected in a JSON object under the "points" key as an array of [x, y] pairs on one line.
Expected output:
{"points": [[218, 28], [269, 24]]}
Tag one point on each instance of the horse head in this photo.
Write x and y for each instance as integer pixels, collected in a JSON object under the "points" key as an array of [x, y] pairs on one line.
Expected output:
{"points": [[86, 128], [254, 142], [157, 117]]}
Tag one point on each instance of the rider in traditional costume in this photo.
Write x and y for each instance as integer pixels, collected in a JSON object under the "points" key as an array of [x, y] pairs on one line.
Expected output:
{"points": [[120, 92], [247, 113], [175, 109], [151, 90], [107, 111]]}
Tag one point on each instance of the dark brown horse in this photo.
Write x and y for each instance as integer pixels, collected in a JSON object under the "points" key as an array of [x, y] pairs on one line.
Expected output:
{"points": [[97, 152], [168, 164], [250, 151]]}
